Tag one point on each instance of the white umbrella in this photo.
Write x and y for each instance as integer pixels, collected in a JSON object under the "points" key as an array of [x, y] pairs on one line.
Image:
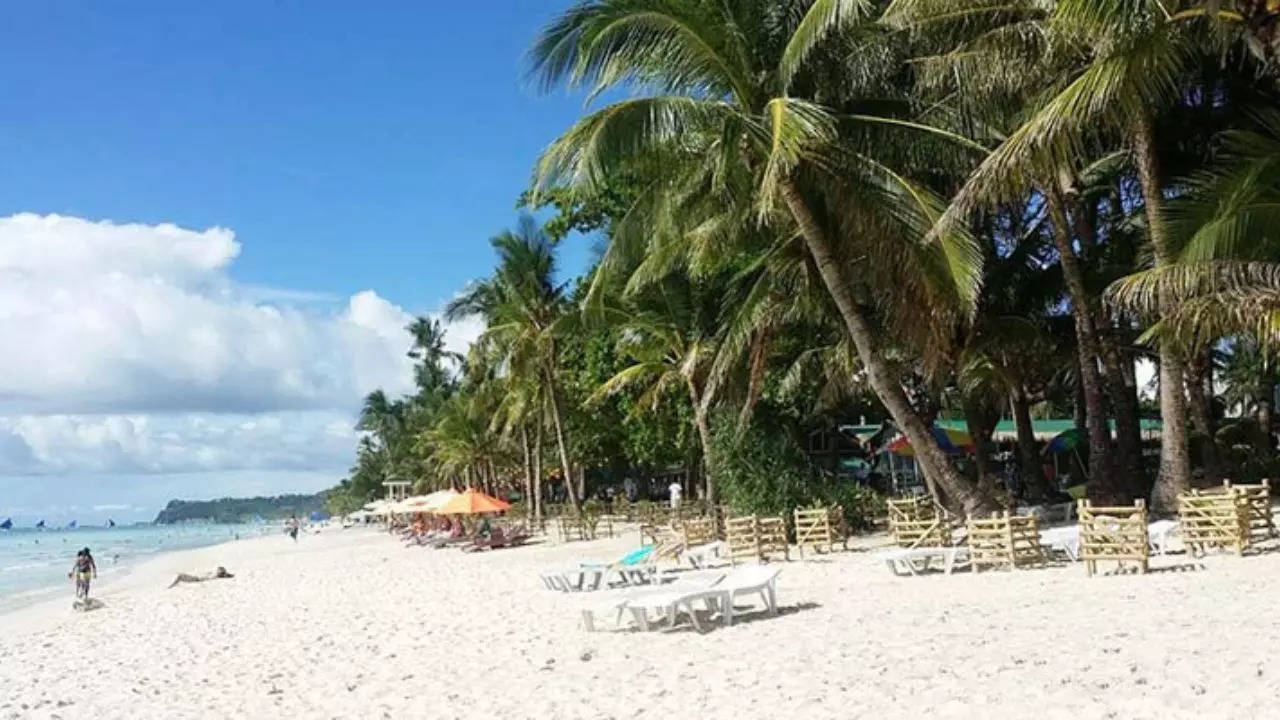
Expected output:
{"points": [[424, 503], [439, 498], [376, 505]]}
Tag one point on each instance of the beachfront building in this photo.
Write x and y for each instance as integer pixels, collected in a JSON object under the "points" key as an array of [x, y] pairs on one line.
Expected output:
{"points": [[397, 490]]}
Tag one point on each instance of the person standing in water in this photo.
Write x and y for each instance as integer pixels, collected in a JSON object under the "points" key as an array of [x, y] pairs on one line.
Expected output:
{"points": [[83, 570], [292, 527]]}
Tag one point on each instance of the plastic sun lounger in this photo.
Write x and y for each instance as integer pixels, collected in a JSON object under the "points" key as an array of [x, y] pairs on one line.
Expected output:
{"points": [[633, 568], [720, 597], [689, 585], [1065, 539], [701, 556], [1158, 535], [906, 558]]}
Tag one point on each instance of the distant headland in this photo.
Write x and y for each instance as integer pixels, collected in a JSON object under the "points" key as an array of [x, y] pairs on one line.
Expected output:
{"points": [[237, 510]]}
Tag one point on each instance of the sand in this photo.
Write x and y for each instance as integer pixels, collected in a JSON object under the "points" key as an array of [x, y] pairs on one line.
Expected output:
{"points": [[349, 624]]}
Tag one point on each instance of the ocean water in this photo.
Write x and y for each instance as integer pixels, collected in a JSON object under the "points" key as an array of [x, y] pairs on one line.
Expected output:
{"points": [[34, 563]]}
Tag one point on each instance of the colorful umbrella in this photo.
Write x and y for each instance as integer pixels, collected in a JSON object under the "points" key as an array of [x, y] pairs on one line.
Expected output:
{"points": [[1065, 441], [473, 502], [953, 442]]}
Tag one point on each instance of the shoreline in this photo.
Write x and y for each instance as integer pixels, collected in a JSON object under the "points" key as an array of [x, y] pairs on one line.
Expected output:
{"points": [[122, 580], [351, 624]]}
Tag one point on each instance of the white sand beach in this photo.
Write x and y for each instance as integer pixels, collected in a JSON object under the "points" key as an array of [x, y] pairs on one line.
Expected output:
{"points": [[352, 625]]}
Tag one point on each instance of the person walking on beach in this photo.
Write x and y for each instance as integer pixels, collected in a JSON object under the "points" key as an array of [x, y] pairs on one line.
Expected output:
{"points": [[292, 527], [674, 490], [83, 570]]}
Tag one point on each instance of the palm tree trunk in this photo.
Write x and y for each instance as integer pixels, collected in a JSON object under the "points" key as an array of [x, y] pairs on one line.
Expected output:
{"points": [[1197, 372], [529, 502], [888, 389], [704, 438], [1175, 455], [1122, 386], [558, 425], [1266, 402], [538, 442], [1101, 480], [981, 428], [1028, 458]]}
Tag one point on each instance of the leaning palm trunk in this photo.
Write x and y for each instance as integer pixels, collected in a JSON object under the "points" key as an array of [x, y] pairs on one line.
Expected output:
{"points": [[704, 437], [567, 469], [1101, 481], [1175, 457], [933, 461]]}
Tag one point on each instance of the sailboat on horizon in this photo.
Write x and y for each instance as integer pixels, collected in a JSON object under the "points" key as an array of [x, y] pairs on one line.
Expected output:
{"points": [[111, 523], [71, 525], [40, 525], [7, 524]]}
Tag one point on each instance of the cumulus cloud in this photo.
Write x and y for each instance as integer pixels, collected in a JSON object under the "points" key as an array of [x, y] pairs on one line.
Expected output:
{"points": [[175, 443], [131, 351], [105, 317]]}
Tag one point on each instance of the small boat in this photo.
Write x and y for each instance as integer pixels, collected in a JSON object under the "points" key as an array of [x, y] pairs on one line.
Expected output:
{"points": [[71, 525], [7, 524], [40, 525], [111, 523]]}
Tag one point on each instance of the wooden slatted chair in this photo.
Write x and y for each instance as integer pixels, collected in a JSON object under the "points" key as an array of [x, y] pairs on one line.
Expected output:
{"points": [[1262, 525], [1216, 519], [1113, 534], [820, 529], [698, 531], [756, 538], [918, 522], [773, 538], [1005, 541], [743, 538]]}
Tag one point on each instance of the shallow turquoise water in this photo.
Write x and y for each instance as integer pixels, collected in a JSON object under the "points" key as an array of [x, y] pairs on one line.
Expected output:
{"points": [[34, 564]]}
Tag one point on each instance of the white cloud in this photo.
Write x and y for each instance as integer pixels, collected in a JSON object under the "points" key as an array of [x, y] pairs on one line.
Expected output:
{"points": [[127, 318], [132, 352], [175, 443]]}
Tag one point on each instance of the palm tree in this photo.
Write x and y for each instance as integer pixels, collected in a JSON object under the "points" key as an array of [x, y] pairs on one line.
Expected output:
{"points": [[1128, 63], [671, 335], [525, 309], [738, 92]]}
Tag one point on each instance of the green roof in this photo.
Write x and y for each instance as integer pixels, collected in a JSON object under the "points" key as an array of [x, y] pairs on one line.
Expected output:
{"points": [[1042, 428]]}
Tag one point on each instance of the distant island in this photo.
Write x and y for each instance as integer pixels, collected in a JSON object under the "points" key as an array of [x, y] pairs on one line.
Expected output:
{"points": [[237, 510]]}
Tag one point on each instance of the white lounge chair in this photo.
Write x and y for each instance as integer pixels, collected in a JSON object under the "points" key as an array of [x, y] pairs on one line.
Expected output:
{"points": [[618, 604], [748, 581], [719, 597], [1158, 535], [906, 559], [1065, 539], [701, 556]]}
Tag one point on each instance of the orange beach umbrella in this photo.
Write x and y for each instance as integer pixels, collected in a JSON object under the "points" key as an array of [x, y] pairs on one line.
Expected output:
{"points": [[473, 502]]}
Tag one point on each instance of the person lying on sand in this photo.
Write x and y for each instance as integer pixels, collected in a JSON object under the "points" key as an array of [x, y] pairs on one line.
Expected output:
{"points": [[219, 574]]}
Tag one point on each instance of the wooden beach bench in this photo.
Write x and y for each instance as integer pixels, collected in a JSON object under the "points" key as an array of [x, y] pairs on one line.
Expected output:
{"points": [[820, 528], [1215, 519], [1113, 534], [1005, 541]]}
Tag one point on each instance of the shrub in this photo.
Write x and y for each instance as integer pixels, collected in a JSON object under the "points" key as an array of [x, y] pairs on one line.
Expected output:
{"points": [[765, 471]]}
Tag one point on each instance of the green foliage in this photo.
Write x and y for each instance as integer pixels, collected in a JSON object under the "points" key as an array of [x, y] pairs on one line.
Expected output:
{"points": [[237, 510], [764, 469]]}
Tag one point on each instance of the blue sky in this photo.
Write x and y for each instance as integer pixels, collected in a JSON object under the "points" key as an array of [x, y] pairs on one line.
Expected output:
{"points": [[216, 219], [348, 148]]}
